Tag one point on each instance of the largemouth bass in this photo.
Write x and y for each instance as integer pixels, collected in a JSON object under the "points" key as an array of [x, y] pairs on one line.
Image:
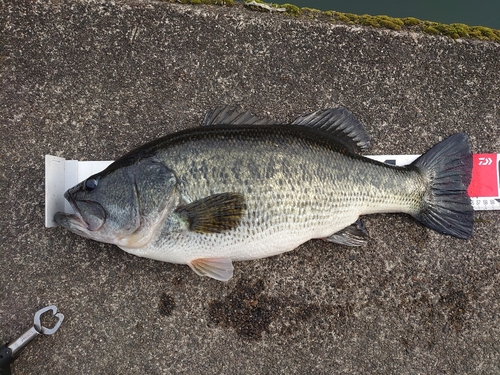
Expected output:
{"points": [[242, 187]]}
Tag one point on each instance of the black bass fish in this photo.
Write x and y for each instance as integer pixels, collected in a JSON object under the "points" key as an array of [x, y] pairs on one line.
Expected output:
{"points": [[241, 187]]}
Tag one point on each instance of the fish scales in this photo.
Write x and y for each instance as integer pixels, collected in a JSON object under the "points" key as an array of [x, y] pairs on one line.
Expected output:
{"points": [[297, 185]]}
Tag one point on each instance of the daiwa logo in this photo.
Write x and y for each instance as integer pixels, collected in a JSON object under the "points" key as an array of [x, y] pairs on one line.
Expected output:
{"points": [[485, 161]]}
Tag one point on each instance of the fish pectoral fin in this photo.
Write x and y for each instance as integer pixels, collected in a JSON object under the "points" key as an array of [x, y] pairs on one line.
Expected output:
{"points": [[227, 115], [216, 268], [353, 235], [213, 214], [340, 124]]}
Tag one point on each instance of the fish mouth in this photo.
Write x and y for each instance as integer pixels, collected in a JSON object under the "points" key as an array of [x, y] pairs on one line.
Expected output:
{"points": [[89, 216], [70, 221]]}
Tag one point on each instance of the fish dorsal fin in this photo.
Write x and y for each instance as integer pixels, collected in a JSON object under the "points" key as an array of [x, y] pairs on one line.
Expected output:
{"points": [[213, 214], [340, 124], [216, 268], [227, 115], [353, 235]]}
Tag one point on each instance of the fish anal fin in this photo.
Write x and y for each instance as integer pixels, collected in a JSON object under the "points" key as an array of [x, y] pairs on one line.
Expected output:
{"points": [[213, 214], [353, 235], [217, 268], [227, 115], [340, 124]]}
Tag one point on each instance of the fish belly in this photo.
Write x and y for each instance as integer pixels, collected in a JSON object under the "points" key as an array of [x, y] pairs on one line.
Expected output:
{"points": [[244, 243]]}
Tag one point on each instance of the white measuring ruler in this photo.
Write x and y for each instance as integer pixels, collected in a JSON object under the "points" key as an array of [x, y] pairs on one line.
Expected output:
{"points": [[62, 174]]}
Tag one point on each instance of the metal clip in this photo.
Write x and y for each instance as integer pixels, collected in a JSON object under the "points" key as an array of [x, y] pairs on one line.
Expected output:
{"points": [[44, 330], [37, 329]]}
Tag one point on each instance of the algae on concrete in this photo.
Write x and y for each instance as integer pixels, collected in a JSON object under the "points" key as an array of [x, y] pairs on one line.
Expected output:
{"points": [[454, 31]]}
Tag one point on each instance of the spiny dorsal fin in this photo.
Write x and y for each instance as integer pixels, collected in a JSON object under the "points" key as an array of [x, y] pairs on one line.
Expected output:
{"points": [[340, 124], [227, 115], [213, 214]]}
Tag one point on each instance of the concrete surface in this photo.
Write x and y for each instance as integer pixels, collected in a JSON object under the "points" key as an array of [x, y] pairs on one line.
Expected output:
{"points": [[92, 80]]}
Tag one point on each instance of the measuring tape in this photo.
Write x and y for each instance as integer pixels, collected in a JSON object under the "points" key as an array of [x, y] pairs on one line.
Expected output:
{"points": [[484, 188], [62, 174]]}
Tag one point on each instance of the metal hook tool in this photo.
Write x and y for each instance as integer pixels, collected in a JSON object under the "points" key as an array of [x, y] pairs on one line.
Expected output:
{"points": [[10, 351]]}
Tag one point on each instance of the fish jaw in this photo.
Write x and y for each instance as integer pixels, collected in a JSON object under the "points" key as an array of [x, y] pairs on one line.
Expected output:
{"points": [[88, 227], [74, 223]]}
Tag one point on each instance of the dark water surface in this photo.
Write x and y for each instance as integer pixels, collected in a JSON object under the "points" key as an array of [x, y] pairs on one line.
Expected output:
{"points": [[472, 13]]}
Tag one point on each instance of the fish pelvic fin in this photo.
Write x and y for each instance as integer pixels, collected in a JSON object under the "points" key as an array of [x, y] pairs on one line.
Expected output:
{"points": [[217, 268], [213, 214], [353, 235], [447, 169]]}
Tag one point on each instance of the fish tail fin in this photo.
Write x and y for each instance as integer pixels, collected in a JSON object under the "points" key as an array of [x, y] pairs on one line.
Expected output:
{"points": [[447, 168]]}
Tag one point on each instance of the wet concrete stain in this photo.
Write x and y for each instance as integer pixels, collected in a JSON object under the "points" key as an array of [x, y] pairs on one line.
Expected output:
{"points": [[166, 305], [456, 306], [429, 320], [250, 312], [245, 309]]}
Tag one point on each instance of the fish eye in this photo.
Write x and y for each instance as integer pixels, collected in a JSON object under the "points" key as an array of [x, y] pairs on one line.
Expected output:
{"points": [[90, 184]]}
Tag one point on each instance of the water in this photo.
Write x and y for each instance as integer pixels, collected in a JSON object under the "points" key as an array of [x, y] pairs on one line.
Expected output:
{"points": [[472, 13]]}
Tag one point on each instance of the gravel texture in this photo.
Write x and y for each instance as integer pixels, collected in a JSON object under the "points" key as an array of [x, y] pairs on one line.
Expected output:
{"points": [[90, 81]]}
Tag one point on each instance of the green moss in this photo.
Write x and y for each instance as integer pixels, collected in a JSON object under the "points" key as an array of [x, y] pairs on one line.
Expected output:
{"points": [[353, 17], [485, 33], [341, 17], [390, 24], [291, 9], [461, 29], [310, 10], [395, 21], [430, 30], [411, 21], [366, 20], [455, 30]]}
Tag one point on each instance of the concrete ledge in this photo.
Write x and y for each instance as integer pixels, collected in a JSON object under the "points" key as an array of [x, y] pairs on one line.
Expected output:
{"points": [[91, 80]]}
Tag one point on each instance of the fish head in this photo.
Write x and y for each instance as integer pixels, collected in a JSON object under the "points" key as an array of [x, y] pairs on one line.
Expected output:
{"points": [[124, 205], [105, 208]]}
